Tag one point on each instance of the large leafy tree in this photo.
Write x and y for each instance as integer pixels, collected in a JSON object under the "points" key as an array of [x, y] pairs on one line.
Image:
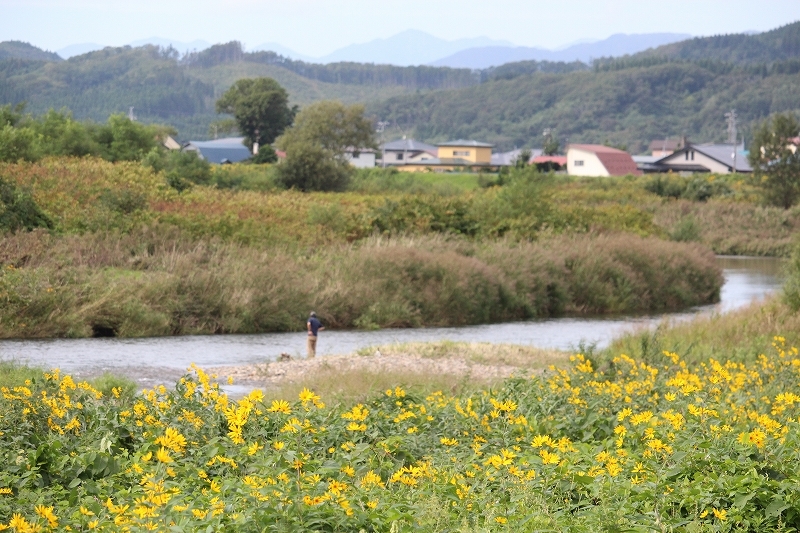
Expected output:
{"points": [[775, 157], [260, 107], [317, 143]]}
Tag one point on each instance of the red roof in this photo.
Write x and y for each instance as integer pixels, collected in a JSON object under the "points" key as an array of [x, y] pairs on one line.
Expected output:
{"points": [[557, 159], [617, 162]]}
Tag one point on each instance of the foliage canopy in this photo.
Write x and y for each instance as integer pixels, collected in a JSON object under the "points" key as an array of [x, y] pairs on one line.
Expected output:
{"points": [[260, 107], [776, 161], [317, 144]]}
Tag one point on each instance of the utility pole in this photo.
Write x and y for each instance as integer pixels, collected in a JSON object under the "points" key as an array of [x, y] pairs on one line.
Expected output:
{"points": [[733, 134], [381, 127], [131, 116]]}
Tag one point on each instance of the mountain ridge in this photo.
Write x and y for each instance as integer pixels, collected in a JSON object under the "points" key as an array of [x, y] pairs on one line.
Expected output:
{"points": [[616, 45]]}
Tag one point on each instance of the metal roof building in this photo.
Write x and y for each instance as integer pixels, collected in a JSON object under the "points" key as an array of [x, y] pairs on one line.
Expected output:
{"points": [[220, 151]]}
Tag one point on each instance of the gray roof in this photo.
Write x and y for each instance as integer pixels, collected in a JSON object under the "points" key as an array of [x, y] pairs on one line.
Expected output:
{"points": [[510, 158], [229, 149], [462, 142], [408, 145], [723, 153]]}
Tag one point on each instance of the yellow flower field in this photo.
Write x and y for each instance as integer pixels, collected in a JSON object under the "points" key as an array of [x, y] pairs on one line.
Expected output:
{"points": [[630, 446]]}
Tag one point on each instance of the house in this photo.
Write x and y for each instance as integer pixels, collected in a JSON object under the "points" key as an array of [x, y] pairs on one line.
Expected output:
{"points": [[509, 159], [220, 151], [664, 147], [171, 144], [402, 151], [598, 160], [475, 152], [454, 155], [715, 158], [361, 157]]}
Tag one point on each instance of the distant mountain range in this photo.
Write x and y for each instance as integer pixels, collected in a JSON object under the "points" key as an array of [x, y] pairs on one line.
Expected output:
{"points": [[413, 47], [616, 45]]}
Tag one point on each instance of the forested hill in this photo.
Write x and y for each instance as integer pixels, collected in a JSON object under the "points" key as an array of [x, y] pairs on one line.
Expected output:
{"points": [[625, 106], [163, 87], [21, 50], [679, 89], [779, 44]]}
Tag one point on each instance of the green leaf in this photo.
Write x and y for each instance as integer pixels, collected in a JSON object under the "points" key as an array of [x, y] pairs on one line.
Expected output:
{"points": [[741, 500], [776, 508]]}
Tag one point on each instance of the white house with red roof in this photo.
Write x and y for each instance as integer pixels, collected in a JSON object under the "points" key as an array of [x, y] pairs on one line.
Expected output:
{"points": [[599, 161]]}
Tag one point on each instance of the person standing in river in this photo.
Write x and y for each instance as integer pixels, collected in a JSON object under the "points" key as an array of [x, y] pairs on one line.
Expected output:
{"points": [[314, 326]]}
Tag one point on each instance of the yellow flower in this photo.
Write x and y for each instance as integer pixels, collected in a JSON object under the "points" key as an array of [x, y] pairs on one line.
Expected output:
{"points": [[85, 511], [278, 445], [280, 406], [721, 514], [253, 448], [47, 514], [173, 440], [501, 519], [163, 456]]}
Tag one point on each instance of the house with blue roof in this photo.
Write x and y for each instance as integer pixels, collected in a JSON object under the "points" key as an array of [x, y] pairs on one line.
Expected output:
{"points": [[220, 151]]}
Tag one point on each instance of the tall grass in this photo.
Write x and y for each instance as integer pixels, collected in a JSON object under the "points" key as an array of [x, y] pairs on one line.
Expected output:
{"points": [[740, 335], [161, 281]]}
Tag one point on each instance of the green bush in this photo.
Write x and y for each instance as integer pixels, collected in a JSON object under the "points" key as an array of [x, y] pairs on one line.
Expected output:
{"points": [[181, 169], [695, 188], [18, 210], [312, 168]]}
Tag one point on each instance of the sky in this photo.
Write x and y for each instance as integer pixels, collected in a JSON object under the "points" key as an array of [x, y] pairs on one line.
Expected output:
{"points": [[318, 27]]}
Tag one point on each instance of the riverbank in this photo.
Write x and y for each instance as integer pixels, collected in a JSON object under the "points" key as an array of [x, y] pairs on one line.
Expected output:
{"points": [[420, 366], [157, 281]]}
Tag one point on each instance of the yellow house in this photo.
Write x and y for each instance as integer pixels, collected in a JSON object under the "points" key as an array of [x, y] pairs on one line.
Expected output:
{"points": [[474, 152], [455, 156]]}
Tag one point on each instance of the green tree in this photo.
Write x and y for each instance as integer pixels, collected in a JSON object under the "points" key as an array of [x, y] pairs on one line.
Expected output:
{"points": [[122, 139], [775, 158], [316, 146], [59, 134], [551, 145], [17, 143], [523, 158], [260, 107]]}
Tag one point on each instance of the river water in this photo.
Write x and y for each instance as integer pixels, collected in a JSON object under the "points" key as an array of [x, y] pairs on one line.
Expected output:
{"points": [[163, 359]]}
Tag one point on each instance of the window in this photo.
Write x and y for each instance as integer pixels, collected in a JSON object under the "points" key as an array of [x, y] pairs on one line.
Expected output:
{"points": [[692, 155], [460, 152], [579, 163], [399, 157]]}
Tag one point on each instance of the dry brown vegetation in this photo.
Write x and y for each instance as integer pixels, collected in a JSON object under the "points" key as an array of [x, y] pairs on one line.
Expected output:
{"points": [[446, 365], [157, 281]]}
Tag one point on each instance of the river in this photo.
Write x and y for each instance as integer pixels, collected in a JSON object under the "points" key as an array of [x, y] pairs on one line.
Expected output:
{"points": [[163, 359]]}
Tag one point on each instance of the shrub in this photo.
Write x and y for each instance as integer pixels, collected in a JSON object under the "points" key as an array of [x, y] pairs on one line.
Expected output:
{"points": [[18, 210], [312, 168]]}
